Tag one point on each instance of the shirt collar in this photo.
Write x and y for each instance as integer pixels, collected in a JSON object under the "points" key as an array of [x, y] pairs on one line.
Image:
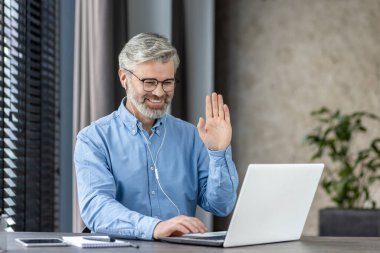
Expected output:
{"points": [[158, 125], [133, 124]]}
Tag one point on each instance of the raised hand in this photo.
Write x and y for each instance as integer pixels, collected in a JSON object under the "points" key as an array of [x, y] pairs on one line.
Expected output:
{"points": [[179, 225], [216, 132]]}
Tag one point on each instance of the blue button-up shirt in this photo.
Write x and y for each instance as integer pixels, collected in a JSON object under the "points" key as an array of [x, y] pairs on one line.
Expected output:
{"points": [[117, 188]]}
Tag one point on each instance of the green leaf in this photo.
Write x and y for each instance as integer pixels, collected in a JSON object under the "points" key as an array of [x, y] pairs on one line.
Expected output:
{"points": [[373, 116], [362, 156], [322, 110], [366, 194], [372, 165], [372, 179], [313, 139], [345, 172], [317, 155], [352, 171], [336, 114], [342, 130], [375, 145], [358, 114]]}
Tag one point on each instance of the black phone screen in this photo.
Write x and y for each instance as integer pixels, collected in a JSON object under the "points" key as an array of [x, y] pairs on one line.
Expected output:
{"points": [[38, 241]]}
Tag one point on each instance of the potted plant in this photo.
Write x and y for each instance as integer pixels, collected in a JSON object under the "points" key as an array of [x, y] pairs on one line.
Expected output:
{"points": [[349, 172]]}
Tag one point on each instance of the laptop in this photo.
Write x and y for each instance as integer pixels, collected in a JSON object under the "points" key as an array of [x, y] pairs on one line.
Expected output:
{"points": [[273, 205]]}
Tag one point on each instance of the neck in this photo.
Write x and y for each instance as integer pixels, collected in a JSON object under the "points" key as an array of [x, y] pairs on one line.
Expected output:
{"points": [[145, 121]]}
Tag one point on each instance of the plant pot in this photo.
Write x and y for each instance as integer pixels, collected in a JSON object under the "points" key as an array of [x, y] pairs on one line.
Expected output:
{"points": [[349, 222]]}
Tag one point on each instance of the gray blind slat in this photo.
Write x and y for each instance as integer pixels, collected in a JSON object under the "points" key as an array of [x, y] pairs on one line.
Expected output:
{"points": [[29, 113]]}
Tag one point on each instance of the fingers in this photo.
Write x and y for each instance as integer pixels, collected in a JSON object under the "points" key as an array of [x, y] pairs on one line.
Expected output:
{"points": [[214, 99], [215, 107], [200, 226], [220, 106], [226, 114], [194, 225], [201, 125], [179, 225], [169, 228], [182, 229]]}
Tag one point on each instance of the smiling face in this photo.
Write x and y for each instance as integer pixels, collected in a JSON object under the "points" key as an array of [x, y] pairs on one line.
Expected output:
{"points": [[153, 104]]}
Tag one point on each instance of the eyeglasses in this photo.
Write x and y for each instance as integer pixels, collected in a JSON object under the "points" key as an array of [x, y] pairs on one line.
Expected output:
{"points": [[150, 84]]}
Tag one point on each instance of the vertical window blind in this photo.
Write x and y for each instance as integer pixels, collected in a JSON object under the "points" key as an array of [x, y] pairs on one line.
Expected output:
{"points": [[29, 113]]}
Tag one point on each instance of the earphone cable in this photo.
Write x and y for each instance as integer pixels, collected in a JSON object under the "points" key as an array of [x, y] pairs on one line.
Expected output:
{"points": [[155, 165]]}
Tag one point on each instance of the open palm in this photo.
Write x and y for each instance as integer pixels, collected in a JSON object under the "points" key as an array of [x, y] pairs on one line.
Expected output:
{"points": [[216, 132]]}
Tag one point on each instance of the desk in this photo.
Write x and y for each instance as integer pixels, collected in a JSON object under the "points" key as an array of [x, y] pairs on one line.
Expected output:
{"points": [[306, 244]]}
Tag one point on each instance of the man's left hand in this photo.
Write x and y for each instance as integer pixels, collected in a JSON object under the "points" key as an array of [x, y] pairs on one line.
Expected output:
{"points": [[216, 132]]}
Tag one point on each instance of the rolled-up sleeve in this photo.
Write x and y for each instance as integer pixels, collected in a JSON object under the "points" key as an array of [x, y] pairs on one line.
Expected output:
{"points": [[219, 181]]}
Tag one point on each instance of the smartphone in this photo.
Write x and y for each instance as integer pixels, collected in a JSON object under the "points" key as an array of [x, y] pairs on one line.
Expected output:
{"points": [[41, 242]]}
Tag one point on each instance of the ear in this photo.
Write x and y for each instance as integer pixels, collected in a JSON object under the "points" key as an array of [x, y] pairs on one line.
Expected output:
{"points": [[123, 78]]}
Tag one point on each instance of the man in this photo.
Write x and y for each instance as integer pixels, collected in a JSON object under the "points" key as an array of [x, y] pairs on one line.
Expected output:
{"points": [[142, 172]]}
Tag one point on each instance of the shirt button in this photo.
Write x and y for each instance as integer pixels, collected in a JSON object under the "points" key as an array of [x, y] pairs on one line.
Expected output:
{"points": [[149, 143], [133, 131], [158, 131], [153, 192], [151, 167]]}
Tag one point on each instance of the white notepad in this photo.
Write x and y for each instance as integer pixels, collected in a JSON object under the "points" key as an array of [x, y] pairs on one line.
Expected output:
{"points": [[79, 241]]}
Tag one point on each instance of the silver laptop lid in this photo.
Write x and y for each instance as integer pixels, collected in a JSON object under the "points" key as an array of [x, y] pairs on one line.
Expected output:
{"points": [[273, 204]]}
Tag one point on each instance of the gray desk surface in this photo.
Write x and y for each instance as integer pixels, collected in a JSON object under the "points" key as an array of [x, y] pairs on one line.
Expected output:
{"points": [[306, 244]]}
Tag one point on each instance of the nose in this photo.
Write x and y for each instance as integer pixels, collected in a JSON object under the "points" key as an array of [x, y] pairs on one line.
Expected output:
{"points": [[159, 91]]}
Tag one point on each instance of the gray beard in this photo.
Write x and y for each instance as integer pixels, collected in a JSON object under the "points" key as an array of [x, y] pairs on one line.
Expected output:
{"points": [[143, 109]]}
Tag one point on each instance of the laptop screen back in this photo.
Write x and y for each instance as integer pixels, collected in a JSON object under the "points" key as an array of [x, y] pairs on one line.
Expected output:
{"points": [[273, 204]]}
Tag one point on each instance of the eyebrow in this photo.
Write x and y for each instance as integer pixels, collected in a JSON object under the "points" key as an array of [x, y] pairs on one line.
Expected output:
{"points": [[151, 78]]}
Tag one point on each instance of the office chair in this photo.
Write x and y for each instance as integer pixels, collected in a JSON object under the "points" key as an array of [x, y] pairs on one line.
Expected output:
{"points": [[86, 230]]}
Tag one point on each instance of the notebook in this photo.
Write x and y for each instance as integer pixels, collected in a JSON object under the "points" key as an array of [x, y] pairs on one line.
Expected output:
{"points": [[273, 205], [81, 242]]}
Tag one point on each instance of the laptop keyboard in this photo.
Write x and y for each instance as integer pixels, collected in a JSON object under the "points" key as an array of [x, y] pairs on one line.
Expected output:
{"points": [[213, 238]]}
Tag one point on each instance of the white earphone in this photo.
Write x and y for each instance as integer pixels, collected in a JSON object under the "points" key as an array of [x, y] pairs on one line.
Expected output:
{"points": [[155, 160], [155, 163]]}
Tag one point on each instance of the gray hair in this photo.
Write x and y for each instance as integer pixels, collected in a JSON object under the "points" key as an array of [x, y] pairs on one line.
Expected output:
{"points": [[145, 47]]}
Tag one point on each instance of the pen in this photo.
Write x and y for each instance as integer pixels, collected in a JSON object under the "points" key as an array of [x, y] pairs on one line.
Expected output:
{"points": [[108, 239], [129, 243], [133, 245], [99, 239]]}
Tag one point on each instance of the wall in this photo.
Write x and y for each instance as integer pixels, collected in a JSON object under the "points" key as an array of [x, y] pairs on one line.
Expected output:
{"points": [[276, 61]]}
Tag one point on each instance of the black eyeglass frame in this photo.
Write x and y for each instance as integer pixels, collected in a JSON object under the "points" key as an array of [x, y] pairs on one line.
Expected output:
{"points": [[164, 87]]}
